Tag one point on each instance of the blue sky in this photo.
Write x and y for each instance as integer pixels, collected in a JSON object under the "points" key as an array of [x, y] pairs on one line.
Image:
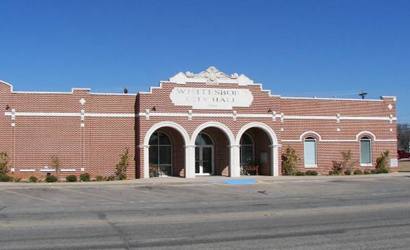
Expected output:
{"points": [[295, 48]]}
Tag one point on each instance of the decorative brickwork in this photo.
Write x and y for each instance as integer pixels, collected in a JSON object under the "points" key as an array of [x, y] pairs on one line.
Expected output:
{"points": [[88, 131]]}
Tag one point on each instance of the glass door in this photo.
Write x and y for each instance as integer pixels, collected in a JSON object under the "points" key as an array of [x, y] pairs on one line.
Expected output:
{"points": [[207, 160], [197, 160], [203, 160]]}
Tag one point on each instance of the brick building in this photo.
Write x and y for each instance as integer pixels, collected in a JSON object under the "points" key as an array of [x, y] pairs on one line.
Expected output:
{"points": [[208, 123]]}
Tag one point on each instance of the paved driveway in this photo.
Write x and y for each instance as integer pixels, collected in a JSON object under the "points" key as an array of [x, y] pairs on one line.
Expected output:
{"points": [[296, 213]]}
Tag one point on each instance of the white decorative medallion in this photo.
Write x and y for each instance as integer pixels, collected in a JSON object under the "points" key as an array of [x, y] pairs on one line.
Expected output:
{"points": [[82, 101], [211, 98], [211, 76]]}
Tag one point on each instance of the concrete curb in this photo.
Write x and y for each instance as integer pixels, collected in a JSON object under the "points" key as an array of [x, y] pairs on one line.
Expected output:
{"points": [[212, 180]]}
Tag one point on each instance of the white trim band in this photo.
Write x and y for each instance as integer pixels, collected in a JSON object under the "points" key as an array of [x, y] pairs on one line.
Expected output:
{"points": [[209, 115], [335, 140], [68, 170], [27, 170]]}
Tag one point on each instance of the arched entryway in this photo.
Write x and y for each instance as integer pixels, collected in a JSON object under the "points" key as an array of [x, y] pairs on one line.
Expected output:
{"points": [[212, 142], [164, 150], [258, 149]]}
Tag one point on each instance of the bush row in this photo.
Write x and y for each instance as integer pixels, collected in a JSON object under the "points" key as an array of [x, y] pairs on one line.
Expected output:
{"points": [[52, 178], [308, 172], [120, 170], [360, 172]]}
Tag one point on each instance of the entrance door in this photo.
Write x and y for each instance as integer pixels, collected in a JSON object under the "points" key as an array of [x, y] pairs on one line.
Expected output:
{"points": [[203, 160]]}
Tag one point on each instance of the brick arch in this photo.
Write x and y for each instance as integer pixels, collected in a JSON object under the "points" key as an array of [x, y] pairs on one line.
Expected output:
{"points": [[365, 133], [273, 138], [219, 125], [263, 126], [155, 127], [163, 124], [310, 133]]}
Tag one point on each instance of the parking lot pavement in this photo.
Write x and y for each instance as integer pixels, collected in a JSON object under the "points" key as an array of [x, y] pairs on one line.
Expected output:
{"points": [[281, 213]]}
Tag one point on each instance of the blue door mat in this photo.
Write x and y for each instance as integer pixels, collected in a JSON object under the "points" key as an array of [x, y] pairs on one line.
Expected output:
{"points": [[240, 182]]}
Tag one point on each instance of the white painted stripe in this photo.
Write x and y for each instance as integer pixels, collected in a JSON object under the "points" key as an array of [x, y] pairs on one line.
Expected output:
{"points": [[257, 115], [66, 114], [68, 170], [161, 82], [142, 114], [116, 94], [335, 140], [51, 92], [329, 99], [229, 115], [47, 170], [309, 117], [42, 92], [27, 170], [51, 114], [111, 115], [375, 118]]}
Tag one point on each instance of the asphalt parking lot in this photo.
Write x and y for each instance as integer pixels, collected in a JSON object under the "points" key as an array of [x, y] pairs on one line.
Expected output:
{"points": [[303, 213]]}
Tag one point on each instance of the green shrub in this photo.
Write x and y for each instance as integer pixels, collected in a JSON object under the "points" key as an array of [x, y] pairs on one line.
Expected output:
{"points": [[110, 178], [357, 172], [382, 171], [367, 171], [373, 171], [55, 163], [299, 173], [347, 172], [17, 179], [311, 172], [33, 179], [99, 178], [5, 178], [4, 163], [51, 178], [347, 162], [289, 161], [85, 177], [337, 167], [121, 167], [382, 163], [71, 178], [331, 173]]}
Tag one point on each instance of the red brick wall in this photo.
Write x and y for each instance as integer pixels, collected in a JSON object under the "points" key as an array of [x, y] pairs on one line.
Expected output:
{"points": [[328, 152], [103, 139]]}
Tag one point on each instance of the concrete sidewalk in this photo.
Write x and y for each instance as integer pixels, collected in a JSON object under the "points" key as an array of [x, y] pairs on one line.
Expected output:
{"points": [[205, 180]]}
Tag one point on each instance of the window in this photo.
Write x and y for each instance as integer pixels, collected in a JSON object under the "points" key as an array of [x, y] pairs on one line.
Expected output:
{"points": [[160, 155], [247, 150], [365, 151], [310, 153], [203, 139]]}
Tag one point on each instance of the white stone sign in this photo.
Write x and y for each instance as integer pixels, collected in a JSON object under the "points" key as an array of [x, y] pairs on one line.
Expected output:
{"points": [[394, 163], [211, 98]]}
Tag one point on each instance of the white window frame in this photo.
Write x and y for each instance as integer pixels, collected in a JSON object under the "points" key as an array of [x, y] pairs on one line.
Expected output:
{"points": [[366, 164], [310, 138], [247, 145], [158, 145]]}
